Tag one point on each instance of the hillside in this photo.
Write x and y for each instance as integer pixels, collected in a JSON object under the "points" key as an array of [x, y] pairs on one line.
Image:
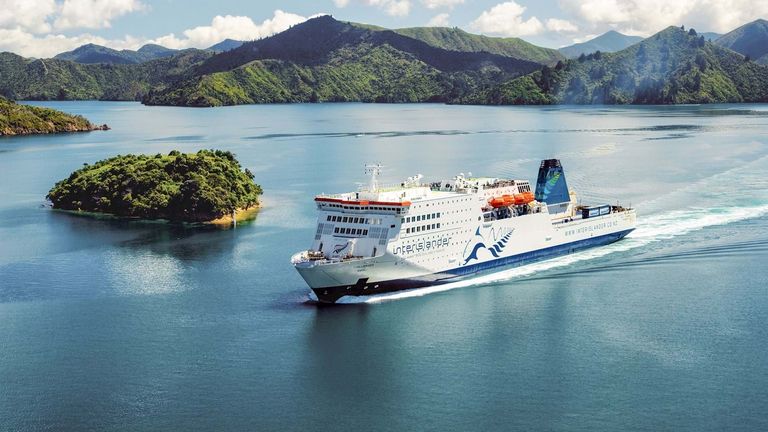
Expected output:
{"points": [[324, 59], [194, 187], [673, 66], [92, 53], [455, 39], [608, 42], [749, 40], [17, 119], [51, 79]]}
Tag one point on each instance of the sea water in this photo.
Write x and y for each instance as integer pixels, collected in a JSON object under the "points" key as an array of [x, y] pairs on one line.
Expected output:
{"points": [[129, 325]]}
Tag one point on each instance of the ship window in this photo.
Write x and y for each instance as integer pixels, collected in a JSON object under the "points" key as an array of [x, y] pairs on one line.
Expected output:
{"points": [[347, 230], [355, 220], [344, 219], [336, 230], [438, 225], [407, 230], [329, 218], [365, 232], [359, 231]]}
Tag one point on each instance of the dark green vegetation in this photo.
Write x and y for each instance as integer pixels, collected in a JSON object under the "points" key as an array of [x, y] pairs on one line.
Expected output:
{"points": [[92, 53], [16, 119], [611, 41], [671, 67], [328, 60], [51, 79], [750, 40], [195, 187]]}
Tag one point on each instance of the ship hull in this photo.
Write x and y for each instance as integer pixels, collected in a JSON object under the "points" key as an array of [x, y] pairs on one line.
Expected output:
{"points": [[364, 288]]}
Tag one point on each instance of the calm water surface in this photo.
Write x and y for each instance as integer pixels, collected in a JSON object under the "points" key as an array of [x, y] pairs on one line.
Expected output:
{"points": [[114, 325]]}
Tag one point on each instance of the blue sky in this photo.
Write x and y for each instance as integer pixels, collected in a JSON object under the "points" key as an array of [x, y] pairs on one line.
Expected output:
{"points": [[42, 28]]}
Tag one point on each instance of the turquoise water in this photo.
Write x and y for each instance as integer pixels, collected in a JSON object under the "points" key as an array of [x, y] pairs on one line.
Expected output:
{"points": [[115, 325]]}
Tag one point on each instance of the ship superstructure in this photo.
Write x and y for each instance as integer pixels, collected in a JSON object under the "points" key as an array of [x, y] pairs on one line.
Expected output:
{"points": [[384, 239]]}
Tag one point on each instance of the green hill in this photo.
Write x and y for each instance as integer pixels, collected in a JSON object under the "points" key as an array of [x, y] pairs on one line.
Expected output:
{"points": [[194, 187], [324, 59], [673, 66], [17, 119], [52, 79], [455, 39], [750, 40], [611, 41]]}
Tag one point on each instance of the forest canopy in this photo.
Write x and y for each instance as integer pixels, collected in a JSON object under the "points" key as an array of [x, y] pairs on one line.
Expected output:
{"points": [[180, 187]]}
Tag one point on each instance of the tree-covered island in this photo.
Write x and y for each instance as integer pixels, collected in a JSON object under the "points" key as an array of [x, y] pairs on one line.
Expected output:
{"points": [[18, 119], [180, 187]]}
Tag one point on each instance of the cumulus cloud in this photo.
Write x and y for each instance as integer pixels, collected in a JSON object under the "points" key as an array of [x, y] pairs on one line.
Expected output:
{"points": [[27, 15], [439, 20], [649, 16], [435, 4], [506, 19], [25, 42], [561, 26], [31, 45], [230, 27], [391, 7], [93, 14]]}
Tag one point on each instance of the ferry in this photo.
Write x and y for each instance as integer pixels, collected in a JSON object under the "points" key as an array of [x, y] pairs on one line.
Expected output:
{"points": [[413, 235]]}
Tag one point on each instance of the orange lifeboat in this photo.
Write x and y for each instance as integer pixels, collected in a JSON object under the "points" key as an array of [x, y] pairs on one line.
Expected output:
{"points": [[497, 202], [502, 201], [523, 198]]}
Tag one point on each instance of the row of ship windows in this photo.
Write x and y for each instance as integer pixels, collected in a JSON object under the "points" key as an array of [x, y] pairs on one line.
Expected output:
{"points": [[348, 219], [351, 231], [364, 207], [422, 217], [422, 228]]}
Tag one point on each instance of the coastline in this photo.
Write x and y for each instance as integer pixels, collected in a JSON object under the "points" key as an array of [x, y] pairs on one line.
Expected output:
{"points": [[241, 215]]}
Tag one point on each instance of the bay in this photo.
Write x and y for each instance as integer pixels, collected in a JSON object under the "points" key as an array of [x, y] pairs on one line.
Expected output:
{"points": [[131, 325]]}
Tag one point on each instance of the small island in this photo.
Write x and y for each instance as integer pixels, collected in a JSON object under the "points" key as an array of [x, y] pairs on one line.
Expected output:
{"points": [[207, 186], [17, 119]]}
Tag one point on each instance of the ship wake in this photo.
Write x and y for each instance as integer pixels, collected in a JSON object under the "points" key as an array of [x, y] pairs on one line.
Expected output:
{"points": [[650, 230]]}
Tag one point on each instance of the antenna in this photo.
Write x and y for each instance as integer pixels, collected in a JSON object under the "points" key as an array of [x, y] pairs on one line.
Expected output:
{"points": [[374, 170]]}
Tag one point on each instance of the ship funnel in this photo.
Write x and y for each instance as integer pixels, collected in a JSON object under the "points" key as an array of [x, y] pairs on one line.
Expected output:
{"points": [[551, 187]]}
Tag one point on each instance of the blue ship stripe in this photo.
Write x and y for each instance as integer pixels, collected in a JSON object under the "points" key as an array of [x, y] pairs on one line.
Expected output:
{"points": [[538, 255]]}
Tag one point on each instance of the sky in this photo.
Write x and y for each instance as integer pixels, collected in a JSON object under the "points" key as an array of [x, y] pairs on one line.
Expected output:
{"points": [[44, 28]]}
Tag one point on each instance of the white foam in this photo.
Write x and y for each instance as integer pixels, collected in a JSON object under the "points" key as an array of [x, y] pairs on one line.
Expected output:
{"points": [[650, 229]]}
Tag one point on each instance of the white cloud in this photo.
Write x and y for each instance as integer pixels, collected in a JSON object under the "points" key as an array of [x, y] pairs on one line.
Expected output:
{"points": [[435, 4], [31, 45], [649, 16], [561, 26], [26, 15], [439, 20], [230, 27], [93, 14], [25, 42], [506, 19], [391, 7]]}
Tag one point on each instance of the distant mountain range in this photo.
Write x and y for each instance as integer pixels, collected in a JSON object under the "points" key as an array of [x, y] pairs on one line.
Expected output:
{"points": [[671, 67], [750, 40], [611, 41], [92, 53], [324, 59], [225, 45]]}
